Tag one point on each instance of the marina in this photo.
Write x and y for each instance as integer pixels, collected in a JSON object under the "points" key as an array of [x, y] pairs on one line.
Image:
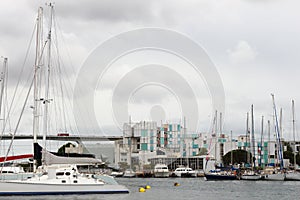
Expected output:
{"points": [[152, 100]]}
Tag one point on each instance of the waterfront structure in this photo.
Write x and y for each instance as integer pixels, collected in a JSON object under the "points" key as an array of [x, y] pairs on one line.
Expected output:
{"points": [[143, 142]]}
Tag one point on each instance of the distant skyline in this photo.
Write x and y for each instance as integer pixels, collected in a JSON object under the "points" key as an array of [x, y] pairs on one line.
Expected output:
{"points": [[253, 44]]}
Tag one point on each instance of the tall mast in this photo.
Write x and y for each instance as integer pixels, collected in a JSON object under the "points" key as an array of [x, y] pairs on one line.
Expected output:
{"points": [[293, 111], [36, 77], [277, 130], [3, 85], [247, 138], [269, 139], [46, 100], [252, 137], [261, 140], [221, 144], [216, 134], [231, 155]]}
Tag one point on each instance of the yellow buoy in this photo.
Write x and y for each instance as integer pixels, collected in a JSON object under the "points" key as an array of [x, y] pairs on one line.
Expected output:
{"points": [[176, 184], [147, 187], [142, 189]]}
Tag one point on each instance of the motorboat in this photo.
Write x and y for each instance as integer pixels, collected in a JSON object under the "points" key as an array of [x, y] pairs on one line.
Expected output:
{"points": [[161, 171], [129, 173], [184, 172], [117, 174]]}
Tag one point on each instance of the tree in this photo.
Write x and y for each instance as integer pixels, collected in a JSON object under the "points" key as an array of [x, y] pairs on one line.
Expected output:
{"points": [[239, 156]]}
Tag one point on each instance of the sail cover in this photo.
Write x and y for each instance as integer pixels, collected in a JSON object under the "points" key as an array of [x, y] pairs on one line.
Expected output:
{"points": [[48, 159]]}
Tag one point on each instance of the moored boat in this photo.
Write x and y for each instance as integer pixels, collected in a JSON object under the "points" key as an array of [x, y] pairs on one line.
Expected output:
{"points": [[220, 175], [184, 172], [161, 171], [251, 176], [61, 180], [129, 173]]}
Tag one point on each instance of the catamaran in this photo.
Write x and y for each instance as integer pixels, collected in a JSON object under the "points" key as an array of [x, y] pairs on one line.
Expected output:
{"points": [[56, 175]]}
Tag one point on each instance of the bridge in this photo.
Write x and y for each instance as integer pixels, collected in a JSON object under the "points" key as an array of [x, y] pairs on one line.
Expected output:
{"points": [[64, 138]]}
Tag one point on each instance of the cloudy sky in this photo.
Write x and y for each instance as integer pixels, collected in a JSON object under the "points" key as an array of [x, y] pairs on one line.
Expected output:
{"points": [[254, 45]]}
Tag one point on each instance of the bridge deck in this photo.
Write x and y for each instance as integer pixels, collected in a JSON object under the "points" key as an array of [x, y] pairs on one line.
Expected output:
{"points": [[64, 138]]}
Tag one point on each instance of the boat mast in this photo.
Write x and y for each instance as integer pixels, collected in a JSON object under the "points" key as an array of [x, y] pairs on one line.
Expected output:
{"points": [[247, 133], [261, 141], [221, 144], [231, 155], [216, 134], [47, 100], [2, 94], [269, 140], [252, 137], [293, 111], [36, 91], [277, 134]]}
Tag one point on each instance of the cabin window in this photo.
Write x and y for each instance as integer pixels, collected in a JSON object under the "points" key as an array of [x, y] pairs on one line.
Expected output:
{"points": [[75, 181], [67, 173], [59, 173], [63, 181]]}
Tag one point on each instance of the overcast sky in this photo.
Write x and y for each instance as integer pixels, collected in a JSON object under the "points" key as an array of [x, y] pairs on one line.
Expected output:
{"points": [[254, 45]]}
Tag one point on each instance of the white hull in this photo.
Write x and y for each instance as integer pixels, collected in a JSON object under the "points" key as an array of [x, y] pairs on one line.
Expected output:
{"points": [[25, 188], [129, 174], [292, 176], [161, 171], [163, 174], [251, 177], [275, 177], [15, 176]]}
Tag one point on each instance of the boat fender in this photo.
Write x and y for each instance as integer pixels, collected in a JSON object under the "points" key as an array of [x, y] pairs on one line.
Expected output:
{"points": [[141, 189], [176, 184]]}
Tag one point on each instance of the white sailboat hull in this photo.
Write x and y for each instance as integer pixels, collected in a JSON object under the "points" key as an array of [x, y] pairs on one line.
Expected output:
{"points": [[292, 176], [251, 177], [275, 177], [25, 188]]}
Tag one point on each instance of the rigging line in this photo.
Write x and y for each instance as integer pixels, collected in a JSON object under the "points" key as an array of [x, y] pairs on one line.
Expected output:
{"points": [[6, 100], [18, 123], [14, 95], [54, 104], [19, 78], [59, 72]]}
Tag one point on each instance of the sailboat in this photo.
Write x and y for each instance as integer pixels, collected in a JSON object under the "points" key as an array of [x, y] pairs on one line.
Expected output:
{"points": [[250, 174], [56, 175], [276, 174], [293, 175]]}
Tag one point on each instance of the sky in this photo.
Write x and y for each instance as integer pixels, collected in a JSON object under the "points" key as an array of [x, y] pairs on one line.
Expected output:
{"points": [[253, 45]]}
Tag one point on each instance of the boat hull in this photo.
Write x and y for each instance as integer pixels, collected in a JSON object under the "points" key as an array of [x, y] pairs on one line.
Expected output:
{"points": [[294, 176], [22, 188], [216, 177], [162, 174], [275, 177], [251, 177]]}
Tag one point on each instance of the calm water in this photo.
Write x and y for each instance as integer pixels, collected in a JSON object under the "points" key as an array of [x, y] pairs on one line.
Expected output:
{"points": [[194, 188]]}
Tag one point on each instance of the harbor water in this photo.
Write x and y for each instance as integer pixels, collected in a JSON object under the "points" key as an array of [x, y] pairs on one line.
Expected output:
{"points": [[192, 188]]}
